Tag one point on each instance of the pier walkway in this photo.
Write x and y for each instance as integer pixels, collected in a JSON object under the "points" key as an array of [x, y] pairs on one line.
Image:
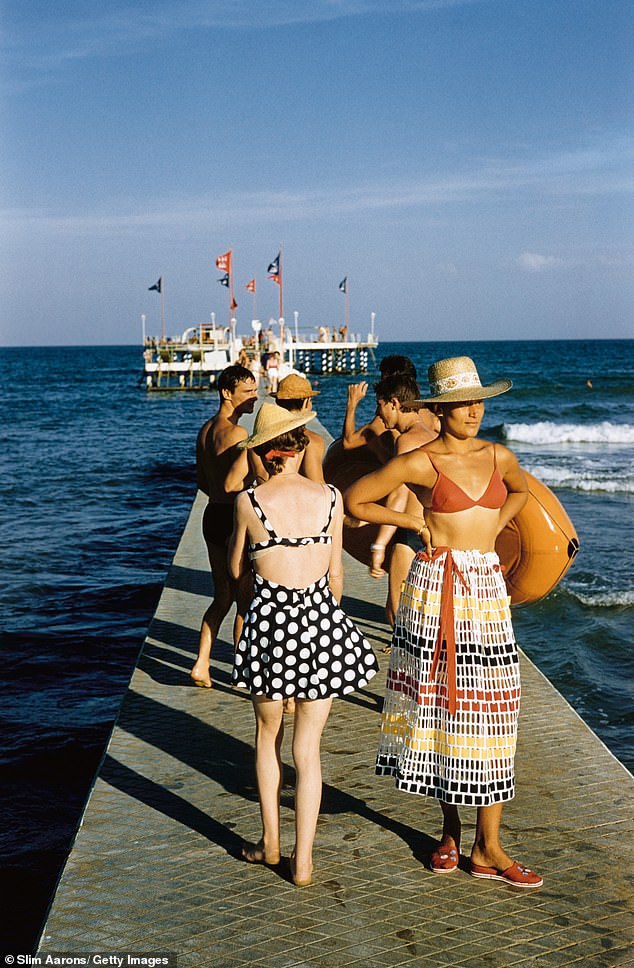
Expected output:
{"points": [[155, 867]]}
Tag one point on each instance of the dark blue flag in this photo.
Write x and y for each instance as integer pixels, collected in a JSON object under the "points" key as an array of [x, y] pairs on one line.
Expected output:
{"points": [[157, 287], [343, 285], [224, 280], [274, 267]]}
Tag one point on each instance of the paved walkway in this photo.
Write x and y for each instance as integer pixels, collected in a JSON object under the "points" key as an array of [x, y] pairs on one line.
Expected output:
{"points": [[155, 866]]}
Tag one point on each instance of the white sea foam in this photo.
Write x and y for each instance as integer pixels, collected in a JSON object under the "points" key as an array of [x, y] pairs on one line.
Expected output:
{"points": [[605, 599], [547, 432], [576, 479]]}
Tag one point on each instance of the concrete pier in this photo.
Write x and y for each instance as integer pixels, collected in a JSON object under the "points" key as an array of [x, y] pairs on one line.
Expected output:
{"points": [[156, 866]]}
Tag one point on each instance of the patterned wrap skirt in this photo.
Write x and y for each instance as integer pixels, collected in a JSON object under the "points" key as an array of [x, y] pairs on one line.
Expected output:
{"points": [[298, 642], [449, 722]]}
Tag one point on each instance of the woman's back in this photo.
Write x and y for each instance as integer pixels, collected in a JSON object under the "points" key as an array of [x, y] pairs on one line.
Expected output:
{"points": [[281, 513]]}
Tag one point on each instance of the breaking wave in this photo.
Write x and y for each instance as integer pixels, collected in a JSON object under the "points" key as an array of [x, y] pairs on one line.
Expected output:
{"points": [[547, 432]]}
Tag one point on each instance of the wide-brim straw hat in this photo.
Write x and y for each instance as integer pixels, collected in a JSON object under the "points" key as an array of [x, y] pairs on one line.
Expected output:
{"points": [[271, 421], [294, 387], [456, 380]]}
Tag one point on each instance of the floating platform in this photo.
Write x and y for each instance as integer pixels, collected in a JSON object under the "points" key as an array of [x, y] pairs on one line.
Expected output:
{"points": [[155, 866]]}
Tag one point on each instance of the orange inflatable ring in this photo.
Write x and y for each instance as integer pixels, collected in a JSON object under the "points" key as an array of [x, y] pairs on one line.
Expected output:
{"points": [[536, 548]]}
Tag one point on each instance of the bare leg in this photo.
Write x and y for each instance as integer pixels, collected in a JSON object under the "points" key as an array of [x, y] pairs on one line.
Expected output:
{"points": [[269, 732], [402, 557], [310, 719], [213, 617], [487, 850], [242, 591], [451, 826]]}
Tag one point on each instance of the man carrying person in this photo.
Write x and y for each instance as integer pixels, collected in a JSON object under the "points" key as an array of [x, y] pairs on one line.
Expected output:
{"points": [[373, 434], [215, 453]]}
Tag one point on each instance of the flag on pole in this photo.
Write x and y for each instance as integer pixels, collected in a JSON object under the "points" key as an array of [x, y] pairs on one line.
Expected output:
{"points": [[343, 285], [250, 286], [274, 267], [223, 262], [233, 304], [224, 280], [157, 287]]}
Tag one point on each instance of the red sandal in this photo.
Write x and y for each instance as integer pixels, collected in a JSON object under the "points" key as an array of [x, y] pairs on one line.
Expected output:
{"points": [[444, 860], [516, 875]]}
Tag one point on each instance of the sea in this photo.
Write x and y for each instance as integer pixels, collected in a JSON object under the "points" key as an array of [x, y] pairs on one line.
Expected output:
{"points": [[97, 484]]}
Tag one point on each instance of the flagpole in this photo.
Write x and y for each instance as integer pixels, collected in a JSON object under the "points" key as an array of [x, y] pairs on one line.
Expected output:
{"points": [[231, 299], [347, 288], [281, 301], [162, 312]]}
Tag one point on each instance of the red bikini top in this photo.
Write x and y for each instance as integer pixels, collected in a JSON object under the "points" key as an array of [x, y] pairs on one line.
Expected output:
{"points": [[448, 497]]}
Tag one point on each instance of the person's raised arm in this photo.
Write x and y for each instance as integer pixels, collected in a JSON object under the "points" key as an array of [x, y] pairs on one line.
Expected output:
{"points": [[236, 552], [350, 436]]}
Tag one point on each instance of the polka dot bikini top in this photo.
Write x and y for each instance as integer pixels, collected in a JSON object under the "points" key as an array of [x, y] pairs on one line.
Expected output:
{"points": [[260, 547]]}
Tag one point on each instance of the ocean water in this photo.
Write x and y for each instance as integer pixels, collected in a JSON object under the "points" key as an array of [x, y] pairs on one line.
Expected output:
{"points": [[98, 481]]}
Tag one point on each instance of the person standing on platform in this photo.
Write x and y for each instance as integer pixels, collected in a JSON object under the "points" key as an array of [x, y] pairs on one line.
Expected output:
{"points": [[296, 641], [215, 453], [449, 722], [295, 394]]}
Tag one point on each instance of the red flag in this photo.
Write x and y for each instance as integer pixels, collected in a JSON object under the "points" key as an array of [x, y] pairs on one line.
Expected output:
{"points": [[277, 279], [234, 304], [223, 262], [250, 286]]}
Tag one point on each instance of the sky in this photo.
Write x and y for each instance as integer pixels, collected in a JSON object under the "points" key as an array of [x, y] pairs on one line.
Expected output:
{"points": [[466, 164]]}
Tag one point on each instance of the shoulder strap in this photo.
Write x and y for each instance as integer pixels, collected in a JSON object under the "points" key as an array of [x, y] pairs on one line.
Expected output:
{"points": [[333, 498], [260, 513]]}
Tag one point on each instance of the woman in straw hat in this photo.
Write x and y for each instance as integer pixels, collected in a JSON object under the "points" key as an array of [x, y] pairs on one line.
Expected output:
{"points": [[296, 641], [449, 723]]}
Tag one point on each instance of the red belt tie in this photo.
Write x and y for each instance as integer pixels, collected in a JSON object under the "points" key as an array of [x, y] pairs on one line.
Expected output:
{"points": [[446, 628]]}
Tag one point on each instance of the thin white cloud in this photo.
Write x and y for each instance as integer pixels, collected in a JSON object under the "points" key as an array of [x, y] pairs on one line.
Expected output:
{"points": [[50, 45], [535, 262], [564, 177]]}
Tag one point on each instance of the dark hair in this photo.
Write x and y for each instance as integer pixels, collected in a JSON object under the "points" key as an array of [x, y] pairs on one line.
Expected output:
{"points": [[295, 440], [390, 365], [231, 376], [291, 403], [399, 386]]}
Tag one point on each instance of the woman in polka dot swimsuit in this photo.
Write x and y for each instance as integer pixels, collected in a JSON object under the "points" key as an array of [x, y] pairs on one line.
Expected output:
{"points": [[296, 641]]}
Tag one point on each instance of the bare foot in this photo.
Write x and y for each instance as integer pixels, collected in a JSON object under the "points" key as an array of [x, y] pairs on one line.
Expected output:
{"points": [[200, 675], [256, 854]]}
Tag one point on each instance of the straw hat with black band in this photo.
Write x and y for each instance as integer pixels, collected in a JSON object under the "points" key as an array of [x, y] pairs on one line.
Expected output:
{"points": [[456, 380], [272, 421]]}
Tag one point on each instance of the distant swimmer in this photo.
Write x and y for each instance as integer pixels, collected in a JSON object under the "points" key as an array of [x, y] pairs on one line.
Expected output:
{"points": [[215, 453], [589, 384]]}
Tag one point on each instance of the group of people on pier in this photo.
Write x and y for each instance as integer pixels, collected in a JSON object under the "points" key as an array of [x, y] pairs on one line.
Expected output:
{"points": [[273, 529]]}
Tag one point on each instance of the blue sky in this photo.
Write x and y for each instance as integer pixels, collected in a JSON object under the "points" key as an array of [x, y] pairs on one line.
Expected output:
{"points": [[466, 163]]}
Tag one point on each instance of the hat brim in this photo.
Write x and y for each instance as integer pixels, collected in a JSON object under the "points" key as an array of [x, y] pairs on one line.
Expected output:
{"points": [[464, 394], [301, 396], [265, 435]]}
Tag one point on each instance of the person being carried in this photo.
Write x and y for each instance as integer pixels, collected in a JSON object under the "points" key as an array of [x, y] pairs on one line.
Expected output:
{"points": [[396, 398], [296, 641], [449, 722], [373, 434], [215, 454]]}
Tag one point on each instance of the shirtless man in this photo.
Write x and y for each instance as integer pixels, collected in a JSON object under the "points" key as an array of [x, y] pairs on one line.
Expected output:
{"points": [[294, 393], [215, 453], [395, 398], [374, 434]]}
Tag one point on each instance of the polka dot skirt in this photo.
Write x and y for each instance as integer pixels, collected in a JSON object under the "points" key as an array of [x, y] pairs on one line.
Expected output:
{"points": [[298, 642]]}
